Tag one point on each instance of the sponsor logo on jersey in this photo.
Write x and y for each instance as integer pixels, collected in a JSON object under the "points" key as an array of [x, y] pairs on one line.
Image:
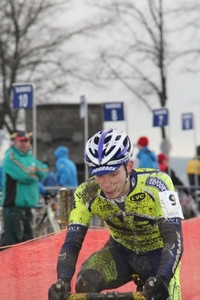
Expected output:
{"points": [[137, 197], [73, 227], [157, 183], [89, 189]]}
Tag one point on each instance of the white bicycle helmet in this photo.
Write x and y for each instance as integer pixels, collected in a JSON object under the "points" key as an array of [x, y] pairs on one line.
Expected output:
{"points": [[107, 150]]}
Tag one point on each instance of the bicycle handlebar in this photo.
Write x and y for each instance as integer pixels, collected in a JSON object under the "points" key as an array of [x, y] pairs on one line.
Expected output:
{"points": [[107, 296]]}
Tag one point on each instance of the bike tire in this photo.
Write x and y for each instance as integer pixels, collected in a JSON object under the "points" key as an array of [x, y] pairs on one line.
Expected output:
{"points": [[46, 228]]}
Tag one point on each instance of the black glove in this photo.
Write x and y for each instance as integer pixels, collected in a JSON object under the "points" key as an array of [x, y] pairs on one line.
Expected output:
{"points": [[60, 290], [156, 288]]}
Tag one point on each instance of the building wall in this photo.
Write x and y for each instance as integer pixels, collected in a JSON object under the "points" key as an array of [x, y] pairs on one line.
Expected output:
{"points": [[60, 125]]}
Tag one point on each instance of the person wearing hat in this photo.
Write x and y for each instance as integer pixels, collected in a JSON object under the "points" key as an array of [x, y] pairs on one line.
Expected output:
{"points": [[20, 192], [66, 170], [146, 157], [143, 215], [193, 171]]}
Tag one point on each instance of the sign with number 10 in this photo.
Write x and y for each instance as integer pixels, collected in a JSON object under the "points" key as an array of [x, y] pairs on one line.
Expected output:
{"points": [[22, 96]]}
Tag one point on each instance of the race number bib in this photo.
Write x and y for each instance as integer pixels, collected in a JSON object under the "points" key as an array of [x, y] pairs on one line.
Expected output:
{"points": [[170, 204]]}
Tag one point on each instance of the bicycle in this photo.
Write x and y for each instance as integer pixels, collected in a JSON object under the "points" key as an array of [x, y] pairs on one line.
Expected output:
{"points": [[45, 214], [47, 217], [189, 205], [1, 227], [1, 222], [137, 295]]}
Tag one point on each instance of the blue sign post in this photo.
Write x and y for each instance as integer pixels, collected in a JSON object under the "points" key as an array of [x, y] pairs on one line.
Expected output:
{"points": [[113, 111], [187, 121], [23, 97], [160, 117]]}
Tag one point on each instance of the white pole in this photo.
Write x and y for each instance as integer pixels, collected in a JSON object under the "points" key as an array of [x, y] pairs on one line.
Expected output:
{"points": [[34, 125], [196, 162], [86, 136]]}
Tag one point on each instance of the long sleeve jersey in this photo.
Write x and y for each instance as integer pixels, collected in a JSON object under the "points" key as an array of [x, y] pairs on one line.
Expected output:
{"points": [[150, 218]]}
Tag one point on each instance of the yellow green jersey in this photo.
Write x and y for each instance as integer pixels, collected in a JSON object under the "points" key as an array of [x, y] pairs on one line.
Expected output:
{"points": [[132, 223]]}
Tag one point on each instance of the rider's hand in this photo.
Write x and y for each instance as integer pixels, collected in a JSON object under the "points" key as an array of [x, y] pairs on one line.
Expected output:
{"points": [[60, 290], [156, 288]]}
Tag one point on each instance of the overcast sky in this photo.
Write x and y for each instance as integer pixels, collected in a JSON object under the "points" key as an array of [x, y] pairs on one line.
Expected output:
{"points": [[183, 97]]}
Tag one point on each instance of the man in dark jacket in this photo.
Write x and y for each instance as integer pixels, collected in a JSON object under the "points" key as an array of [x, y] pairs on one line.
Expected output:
{"points": [[20, 193]]}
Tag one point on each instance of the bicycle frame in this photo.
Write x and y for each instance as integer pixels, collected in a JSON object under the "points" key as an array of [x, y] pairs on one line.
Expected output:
{"points": [[48, 219], [51, 216]]}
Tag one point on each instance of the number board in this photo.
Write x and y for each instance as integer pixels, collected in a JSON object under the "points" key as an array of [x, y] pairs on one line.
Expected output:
{"points": [[160, 117], [22, 96], [187, 121], [113, 111]]}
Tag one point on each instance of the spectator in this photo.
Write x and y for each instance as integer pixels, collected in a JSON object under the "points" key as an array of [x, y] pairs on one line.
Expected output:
{"points": [[42, 190], [193, 170], [1, 171], [20, 192], [143, 220], [50, 181], [164, 166], [66, 171], [147, 158]]}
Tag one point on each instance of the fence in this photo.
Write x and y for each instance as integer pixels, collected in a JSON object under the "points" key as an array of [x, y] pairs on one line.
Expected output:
{"points": [[28, 269]]}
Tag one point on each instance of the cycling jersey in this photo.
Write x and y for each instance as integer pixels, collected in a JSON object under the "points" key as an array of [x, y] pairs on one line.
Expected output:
{"points": [[147, 219], [135, 225]]}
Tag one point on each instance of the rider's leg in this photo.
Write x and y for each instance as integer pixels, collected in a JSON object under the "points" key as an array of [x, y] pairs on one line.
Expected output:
{"points": [[104, 269]]}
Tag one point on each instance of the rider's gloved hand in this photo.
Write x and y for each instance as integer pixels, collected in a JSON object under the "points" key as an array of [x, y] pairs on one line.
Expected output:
{"points": [[60, 290], [156, 288]]}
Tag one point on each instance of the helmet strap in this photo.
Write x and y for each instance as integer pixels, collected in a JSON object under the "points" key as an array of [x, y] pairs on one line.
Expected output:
{"points": [[127, 175]]}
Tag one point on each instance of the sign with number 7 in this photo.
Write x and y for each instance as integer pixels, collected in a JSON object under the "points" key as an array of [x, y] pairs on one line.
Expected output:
{"points": [[160, 117]]}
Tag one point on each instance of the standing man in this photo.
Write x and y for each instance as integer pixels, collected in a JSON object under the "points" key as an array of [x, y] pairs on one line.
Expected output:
{"points": [[147, 158], [66, 170], [20, 193]]}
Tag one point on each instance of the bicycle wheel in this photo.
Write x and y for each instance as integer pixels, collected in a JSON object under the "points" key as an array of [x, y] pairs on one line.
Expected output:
{"points": [[49, 225], [2, 240], [44, 229]]}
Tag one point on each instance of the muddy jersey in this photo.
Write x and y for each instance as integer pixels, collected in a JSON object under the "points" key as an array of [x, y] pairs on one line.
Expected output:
{"points": [[147, 218], [132, 223]]}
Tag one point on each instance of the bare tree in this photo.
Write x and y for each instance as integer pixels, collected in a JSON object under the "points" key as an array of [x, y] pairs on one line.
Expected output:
{"points": [[139, 54], [189, 30], [34, 47]]}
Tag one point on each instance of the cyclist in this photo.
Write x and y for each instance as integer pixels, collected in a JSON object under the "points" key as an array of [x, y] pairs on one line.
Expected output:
{"points": [[143, 215]]}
